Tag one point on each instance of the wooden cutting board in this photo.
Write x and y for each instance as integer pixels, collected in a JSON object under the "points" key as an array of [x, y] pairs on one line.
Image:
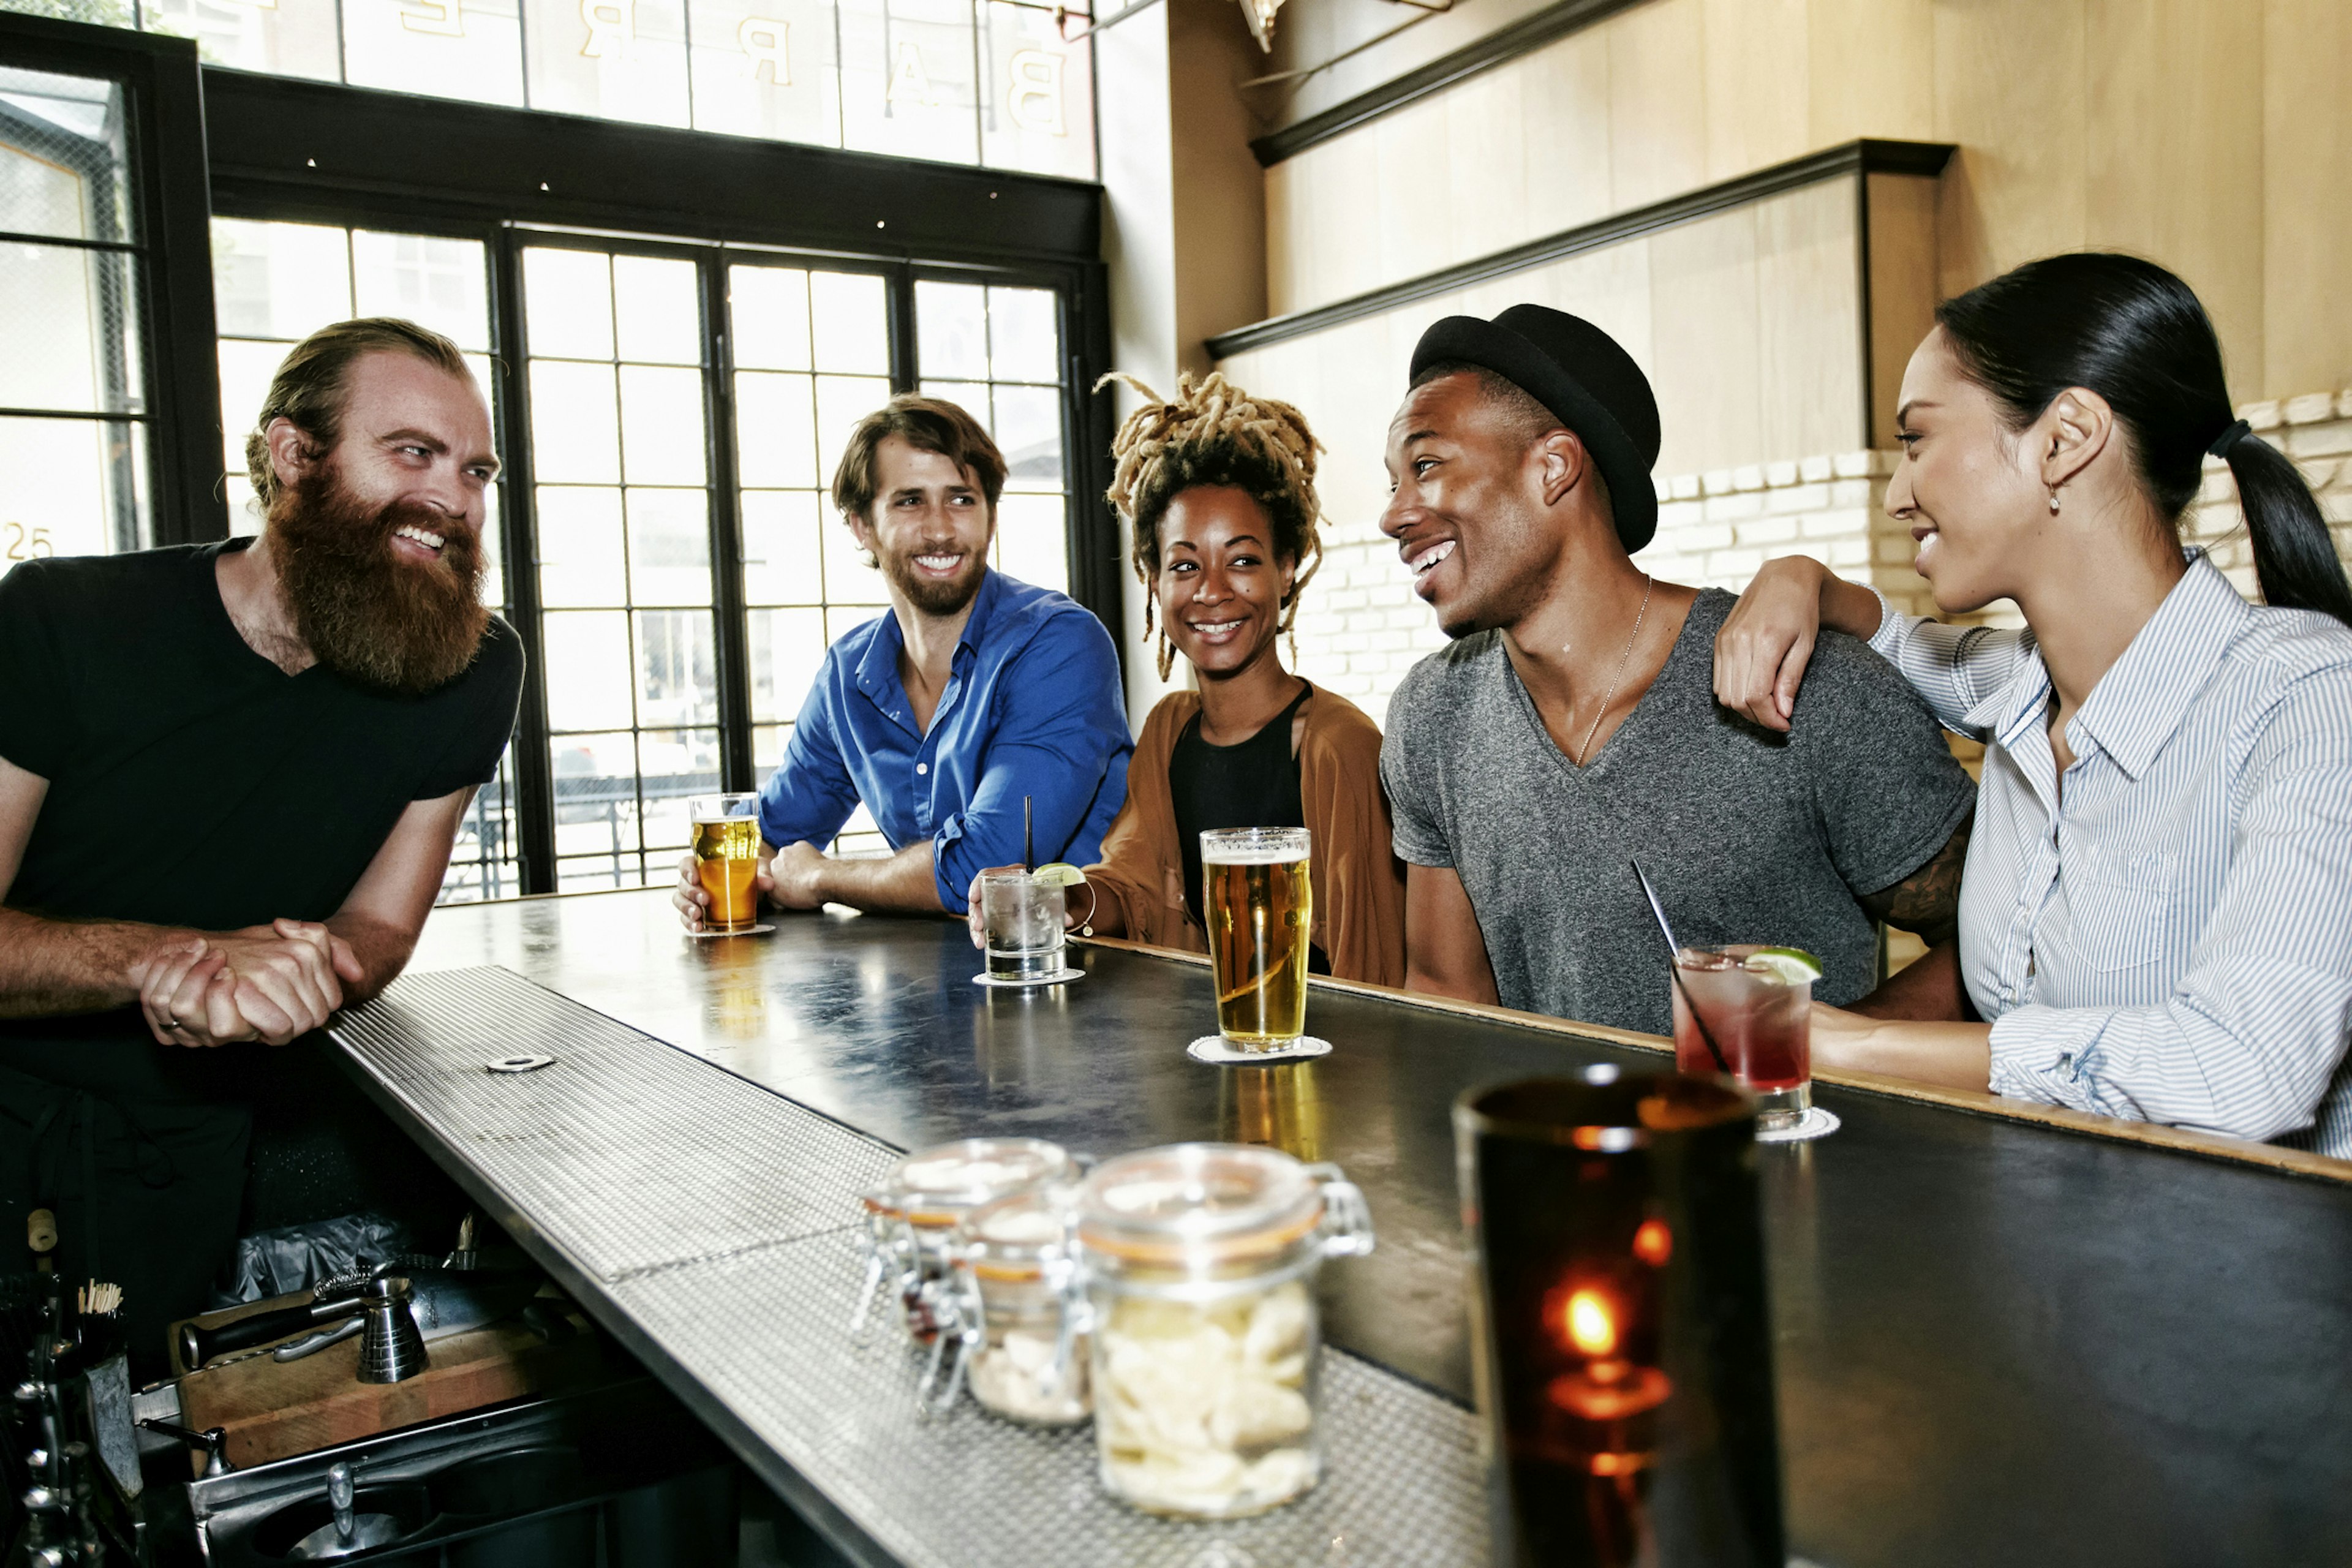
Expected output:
{"points": [[273, 1409]]}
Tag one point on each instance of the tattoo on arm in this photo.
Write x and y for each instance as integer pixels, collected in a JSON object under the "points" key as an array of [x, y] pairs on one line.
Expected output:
{"points": [[1928, 901]]}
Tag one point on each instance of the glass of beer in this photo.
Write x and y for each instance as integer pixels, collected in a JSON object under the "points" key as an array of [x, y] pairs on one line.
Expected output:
{"points": [[727, 857], [1024, 922], [1254, 895], [1757, 1006]]}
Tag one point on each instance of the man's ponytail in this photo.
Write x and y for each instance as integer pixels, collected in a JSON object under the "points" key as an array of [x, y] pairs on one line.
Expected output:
{"points": [[2137, 336], [2294, 556]]}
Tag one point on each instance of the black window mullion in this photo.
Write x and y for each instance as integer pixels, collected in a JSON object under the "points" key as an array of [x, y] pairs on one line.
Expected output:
{"points": [[732, 649], [518, 521], [899, 295]]}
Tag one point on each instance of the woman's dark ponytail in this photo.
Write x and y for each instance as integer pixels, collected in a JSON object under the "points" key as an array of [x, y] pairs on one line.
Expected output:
{"points": [[2136, 334]]}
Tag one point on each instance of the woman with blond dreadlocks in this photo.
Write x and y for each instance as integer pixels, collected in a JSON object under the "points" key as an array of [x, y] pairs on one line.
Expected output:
{"points": [[1220, 489]]}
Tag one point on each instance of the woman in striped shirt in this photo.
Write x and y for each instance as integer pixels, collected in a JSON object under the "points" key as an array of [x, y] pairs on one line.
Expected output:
{"points": [[2156, 921]]}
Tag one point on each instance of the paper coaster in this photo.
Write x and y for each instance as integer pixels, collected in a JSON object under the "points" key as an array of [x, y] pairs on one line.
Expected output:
{"points": [[1051, 977], [705, 934], [1215, 1048], [1815, 1123]]}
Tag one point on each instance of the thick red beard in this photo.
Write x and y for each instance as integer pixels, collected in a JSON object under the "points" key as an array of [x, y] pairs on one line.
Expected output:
{"points": [[367, 615]]}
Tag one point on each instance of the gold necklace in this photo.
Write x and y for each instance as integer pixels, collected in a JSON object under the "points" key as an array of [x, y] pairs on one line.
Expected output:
{"points": [[1584, 750]]}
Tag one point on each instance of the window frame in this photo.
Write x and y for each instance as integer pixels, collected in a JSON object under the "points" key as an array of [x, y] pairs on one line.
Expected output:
{"points": [[297, 152], [165, 137]]}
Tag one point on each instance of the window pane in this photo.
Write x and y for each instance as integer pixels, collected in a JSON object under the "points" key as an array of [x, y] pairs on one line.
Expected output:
{"points": [[673, 764], [595, 793], [950, 330], [677, 680], [669, 547], [657, 313], [907, 82], [661, 425], [1037, 110], [568, 303], [781, 546], [971, 397], [443, 284], [841, 401], [848, 580], [483, 862], [769, 308], [69, 487], [775, 431], [62, 159], [444, 48], [1025, 344], [575, 434], [588, 682], [1028, 429], [623, 60], [282, 280], [69, 335], [787, 647], [580, 561], [244, 372], [768, 743], [286, 37], [765, 67], [853, 328], [1032, 540]]}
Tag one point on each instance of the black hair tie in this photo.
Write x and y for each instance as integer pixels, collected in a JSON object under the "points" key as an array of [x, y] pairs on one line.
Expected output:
{"points": [[2236, 431]]}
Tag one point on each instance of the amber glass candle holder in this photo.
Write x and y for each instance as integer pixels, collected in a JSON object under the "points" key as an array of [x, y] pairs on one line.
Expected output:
{"points": [[1620, 1326]]}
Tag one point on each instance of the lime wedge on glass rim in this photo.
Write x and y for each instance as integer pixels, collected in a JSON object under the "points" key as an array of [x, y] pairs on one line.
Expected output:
{"points": [[1789, 965], [1056, 874]]}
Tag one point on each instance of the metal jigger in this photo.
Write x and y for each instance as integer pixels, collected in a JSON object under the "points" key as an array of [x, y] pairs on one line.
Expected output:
{"points": [[390, 1349]]}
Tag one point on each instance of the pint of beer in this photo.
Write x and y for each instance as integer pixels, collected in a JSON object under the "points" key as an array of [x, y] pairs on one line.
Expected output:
{"points": [[1254, 895], [727, 857]]}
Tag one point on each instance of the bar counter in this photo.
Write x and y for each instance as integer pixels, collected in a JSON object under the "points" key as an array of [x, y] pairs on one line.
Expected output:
{"points": [[2002, 1335]]}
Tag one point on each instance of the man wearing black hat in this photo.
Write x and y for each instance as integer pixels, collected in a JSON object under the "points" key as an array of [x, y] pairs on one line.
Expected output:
{"points": [[1572, 726]]}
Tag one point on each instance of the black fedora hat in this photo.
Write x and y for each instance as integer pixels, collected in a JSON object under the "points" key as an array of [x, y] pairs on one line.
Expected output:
{"points": [[1583, 375]]}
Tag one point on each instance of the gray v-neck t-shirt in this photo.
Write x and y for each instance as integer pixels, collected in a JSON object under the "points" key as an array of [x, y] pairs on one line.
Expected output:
{"points": [[1746, 835]]}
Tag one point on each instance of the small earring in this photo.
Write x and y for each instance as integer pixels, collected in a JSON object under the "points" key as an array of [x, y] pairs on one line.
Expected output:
{"points": [[2053, 500]]}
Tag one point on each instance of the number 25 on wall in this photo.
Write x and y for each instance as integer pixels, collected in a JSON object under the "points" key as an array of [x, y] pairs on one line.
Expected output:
{"points": [[23, 542]]}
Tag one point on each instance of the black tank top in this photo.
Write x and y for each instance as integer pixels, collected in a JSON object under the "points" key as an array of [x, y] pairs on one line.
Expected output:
{"points": [[1253, 783]]}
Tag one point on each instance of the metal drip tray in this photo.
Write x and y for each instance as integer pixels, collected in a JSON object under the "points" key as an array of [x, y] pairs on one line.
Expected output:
{"points": [[709, 1224]]}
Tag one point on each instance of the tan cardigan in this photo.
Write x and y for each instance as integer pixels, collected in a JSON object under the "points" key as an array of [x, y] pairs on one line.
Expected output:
{"points": [[1358, 881]]}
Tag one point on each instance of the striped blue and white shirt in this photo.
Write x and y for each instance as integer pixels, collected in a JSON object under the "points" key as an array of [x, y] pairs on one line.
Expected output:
{"points": [[2169, 938]]}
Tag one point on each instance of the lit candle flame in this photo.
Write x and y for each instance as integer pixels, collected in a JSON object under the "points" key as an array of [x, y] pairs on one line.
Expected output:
{"points": [[1590, 1326], [1653, 1243]]}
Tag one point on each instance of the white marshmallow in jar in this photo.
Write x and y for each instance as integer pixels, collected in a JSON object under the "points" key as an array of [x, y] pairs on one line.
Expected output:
{"points": [[912, 1215], [1198, 1264]]}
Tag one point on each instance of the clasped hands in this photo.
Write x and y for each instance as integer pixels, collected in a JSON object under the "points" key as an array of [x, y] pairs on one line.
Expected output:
{"points": [[272, 983]]}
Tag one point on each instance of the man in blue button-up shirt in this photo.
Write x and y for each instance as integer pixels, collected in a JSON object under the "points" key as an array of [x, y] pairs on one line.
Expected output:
{"points": [[974, 693]]}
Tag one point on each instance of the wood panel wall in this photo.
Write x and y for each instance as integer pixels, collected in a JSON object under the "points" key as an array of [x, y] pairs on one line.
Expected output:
{"points": [[2214, 135]]}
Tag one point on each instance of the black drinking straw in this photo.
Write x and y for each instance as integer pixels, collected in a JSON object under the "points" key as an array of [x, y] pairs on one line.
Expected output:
{"points": [[1673, 948], [1028, 837]]}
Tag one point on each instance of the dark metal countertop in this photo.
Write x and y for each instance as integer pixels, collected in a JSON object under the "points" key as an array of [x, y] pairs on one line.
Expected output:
{"points": [[1997, 1340]]}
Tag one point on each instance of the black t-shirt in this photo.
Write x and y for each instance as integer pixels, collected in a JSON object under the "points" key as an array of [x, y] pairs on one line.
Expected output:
{"points": [[1251, 783], [193, 783]]}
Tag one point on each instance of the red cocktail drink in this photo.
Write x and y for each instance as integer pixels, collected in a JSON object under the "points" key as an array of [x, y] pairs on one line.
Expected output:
{"points": [[1759, 1010]]}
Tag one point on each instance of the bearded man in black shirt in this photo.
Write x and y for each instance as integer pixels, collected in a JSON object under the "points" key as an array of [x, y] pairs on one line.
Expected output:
{"points": [[230, 778]]}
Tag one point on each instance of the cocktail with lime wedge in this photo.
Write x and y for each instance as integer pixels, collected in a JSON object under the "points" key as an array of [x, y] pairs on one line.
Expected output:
{"points": [[1757, 1006]]}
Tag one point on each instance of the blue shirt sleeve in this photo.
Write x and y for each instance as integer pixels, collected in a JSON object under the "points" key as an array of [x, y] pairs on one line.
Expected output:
{"points": [[811, 794], [1062, 728]]}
